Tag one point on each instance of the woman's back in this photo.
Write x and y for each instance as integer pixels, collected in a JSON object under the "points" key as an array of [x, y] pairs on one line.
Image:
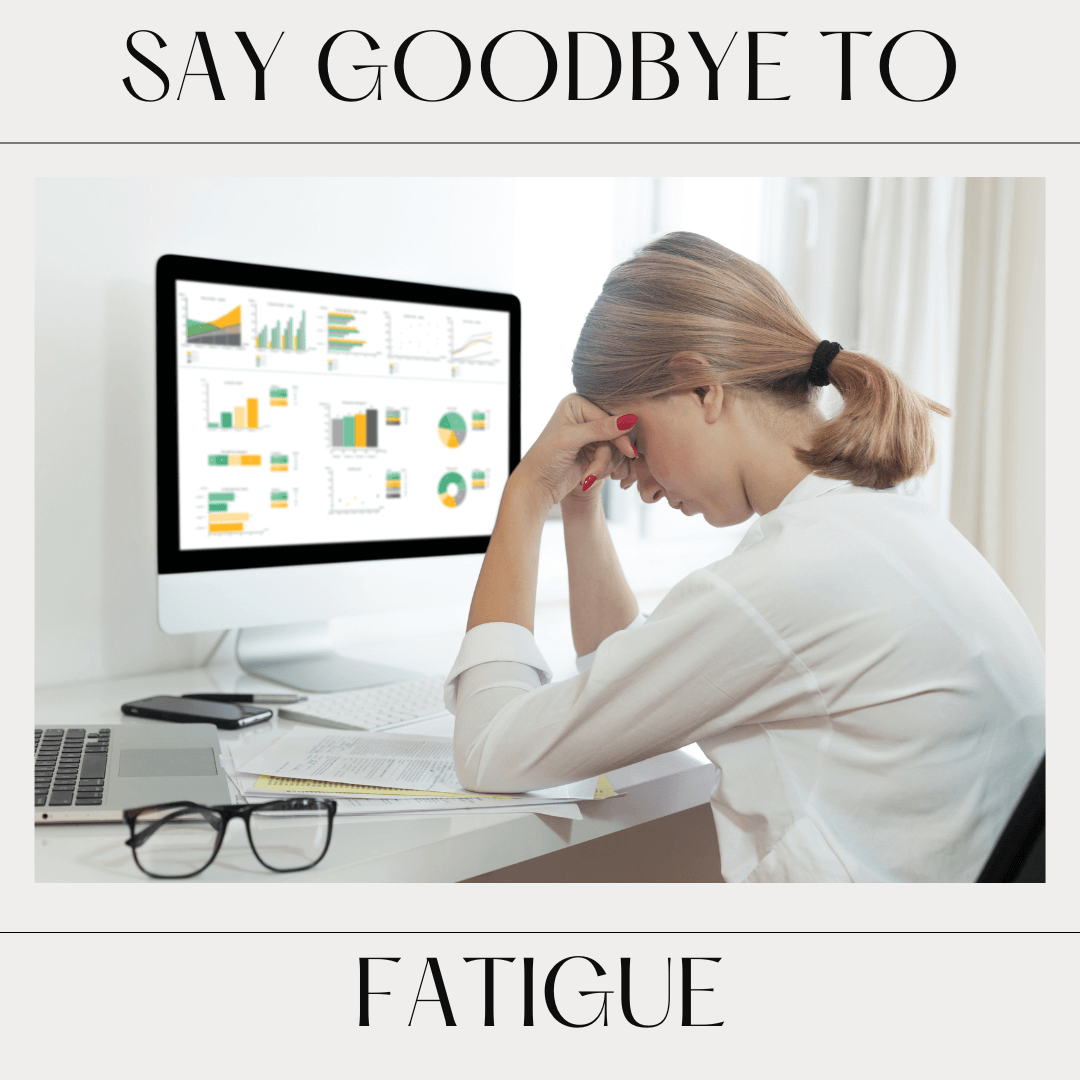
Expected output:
{"points": [[931, 694]]}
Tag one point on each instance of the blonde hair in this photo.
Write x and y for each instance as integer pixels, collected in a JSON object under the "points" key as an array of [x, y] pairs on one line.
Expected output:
{"points": [[684, 293]]}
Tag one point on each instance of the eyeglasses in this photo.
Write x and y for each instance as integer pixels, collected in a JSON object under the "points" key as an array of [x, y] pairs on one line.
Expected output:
{"points": [[181, 839]]}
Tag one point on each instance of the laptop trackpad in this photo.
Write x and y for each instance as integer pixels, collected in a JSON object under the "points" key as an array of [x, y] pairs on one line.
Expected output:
{"points": [[194, 762]]}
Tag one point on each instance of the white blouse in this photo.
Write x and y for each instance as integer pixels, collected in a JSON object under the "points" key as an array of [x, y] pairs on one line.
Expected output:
{"points": [[870, 692]]}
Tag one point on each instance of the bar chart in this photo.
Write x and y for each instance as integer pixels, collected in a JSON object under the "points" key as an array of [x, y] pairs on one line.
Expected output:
{"points": [[289, 337], [279, 500], [279, 462], [235, 459], [222, 514], [279, 397], [244, 416], [342, 333], [358, 430]]}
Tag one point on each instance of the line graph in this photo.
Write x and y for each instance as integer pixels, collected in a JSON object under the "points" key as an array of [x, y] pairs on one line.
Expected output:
{"points": [[474, 348]]}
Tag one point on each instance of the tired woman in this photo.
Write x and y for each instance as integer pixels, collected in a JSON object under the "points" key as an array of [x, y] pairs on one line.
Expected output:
{"points": [[870, 692]]}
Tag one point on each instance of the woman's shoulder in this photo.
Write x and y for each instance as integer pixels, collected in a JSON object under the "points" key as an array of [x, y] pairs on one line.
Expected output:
{"points": [[832, 532], [835, 515]]}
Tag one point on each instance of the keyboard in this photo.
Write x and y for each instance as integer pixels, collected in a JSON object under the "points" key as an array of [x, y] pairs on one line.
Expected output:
{"points": [[69, 766], [372, 708]]}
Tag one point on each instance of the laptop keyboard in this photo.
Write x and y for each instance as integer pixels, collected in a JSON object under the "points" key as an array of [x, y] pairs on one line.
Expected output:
{"points": [[69, 766]]}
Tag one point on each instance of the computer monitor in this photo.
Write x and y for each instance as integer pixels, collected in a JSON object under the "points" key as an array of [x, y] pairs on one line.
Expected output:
{"points": [[327, 445]]}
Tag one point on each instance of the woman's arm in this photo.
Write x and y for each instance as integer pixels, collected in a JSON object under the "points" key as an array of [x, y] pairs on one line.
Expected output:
{"points": [[506, 588], [579, 441], [601, 601]]}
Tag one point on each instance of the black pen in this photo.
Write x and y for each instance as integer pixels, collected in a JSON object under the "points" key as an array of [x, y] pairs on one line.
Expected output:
{"points": [[254, 699]]}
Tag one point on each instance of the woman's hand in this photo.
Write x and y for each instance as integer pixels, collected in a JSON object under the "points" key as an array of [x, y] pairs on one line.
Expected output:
{"points": [[579, 447]]}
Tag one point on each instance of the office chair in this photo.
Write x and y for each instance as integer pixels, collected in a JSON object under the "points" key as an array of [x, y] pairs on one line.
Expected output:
{"points": [[1020, 853]]}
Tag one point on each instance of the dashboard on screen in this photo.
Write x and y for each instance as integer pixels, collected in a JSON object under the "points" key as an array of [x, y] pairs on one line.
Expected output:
{"points": [[329, 416]]}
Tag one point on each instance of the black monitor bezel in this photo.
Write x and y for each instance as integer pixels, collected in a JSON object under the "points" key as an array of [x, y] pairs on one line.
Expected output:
{"points": [[170, 268]]}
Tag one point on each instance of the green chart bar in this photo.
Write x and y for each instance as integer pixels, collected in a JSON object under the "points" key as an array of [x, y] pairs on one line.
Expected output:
{"points": [[226, 419]]}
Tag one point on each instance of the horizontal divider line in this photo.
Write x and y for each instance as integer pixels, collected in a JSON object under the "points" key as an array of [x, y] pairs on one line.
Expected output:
{"points": [[541, 142]]}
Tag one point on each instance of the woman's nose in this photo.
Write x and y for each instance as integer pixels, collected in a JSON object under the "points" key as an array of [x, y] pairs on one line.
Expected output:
{"points": [[647, 486]]}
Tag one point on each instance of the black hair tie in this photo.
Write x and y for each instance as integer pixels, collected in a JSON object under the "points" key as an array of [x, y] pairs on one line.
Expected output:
{"points": [[818, 375]]}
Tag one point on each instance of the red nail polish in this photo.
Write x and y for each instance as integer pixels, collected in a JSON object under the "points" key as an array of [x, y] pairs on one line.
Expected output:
{"points": [[626, 422], [588, 483]]}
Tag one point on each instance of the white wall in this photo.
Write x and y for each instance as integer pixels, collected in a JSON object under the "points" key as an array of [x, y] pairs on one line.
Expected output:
{"points": [[97, 243]]}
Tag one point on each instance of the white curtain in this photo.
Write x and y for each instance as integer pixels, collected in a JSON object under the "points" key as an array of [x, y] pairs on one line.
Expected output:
{"points": [[909, 296], [999, 472]]}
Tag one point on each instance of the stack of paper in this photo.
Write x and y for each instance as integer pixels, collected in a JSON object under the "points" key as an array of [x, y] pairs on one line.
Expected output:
{"points": [[388, 773]]}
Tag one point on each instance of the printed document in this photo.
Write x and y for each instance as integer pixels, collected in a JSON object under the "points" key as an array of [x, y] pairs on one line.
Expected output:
{"points": [[395, 760]]}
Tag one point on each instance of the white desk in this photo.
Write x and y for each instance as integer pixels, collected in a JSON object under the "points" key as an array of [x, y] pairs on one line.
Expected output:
{"points": [[427, 847]]}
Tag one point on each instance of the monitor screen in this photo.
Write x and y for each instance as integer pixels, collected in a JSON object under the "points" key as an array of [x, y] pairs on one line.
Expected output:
{"points": [[310, 417]]}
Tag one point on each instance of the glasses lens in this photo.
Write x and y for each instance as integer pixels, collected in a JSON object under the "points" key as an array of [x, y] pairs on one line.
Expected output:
{"points": [[177, 841], [291, 834]]}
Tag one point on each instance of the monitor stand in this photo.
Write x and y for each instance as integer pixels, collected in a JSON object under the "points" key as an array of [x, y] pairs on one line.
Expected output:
{"points": [[302, 655]]}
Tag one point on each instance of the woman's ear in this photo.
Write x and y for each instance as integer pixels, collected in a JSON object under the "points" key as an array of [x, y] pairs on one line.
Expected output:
{"points": [[710, 394], [712, 401]]}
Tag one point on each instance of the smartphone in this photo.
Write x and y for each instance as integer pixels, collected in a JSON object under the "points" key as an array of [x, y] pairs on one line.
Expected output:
{"points": [[223, 714]]}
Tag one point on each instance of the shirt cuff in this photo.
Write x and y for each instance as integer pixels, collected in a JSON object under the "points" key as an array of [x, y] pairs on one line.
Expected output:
{"points": [[495, 641], [585, 662]]}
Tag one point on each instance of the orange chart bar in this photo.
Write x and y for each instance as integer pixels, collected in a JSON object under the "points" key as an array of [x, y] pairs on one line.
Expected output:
{"points": [[226, 526], [252, 412]]}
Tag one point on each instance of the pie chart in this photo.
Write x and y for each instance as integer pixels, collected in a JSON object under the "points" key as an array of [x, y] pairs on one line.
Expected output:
{"points": [[452, 488], [452, 429]]}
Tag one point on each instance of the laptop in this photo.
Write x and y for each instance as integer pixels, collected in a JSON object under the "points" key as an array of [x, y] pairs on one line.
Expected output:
{"points": [[94, 773]]}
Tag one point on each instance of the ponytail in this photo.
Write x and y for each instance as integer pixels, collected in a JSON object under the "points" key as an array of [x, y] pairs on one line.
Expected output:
{"points": [[684, 293], [884, 433]]}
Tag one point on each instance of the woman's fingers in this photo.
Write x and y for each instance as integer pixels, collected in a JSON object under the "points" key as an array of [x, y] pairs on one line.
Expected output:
{"points": [[611, 429], [600, 465]]}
